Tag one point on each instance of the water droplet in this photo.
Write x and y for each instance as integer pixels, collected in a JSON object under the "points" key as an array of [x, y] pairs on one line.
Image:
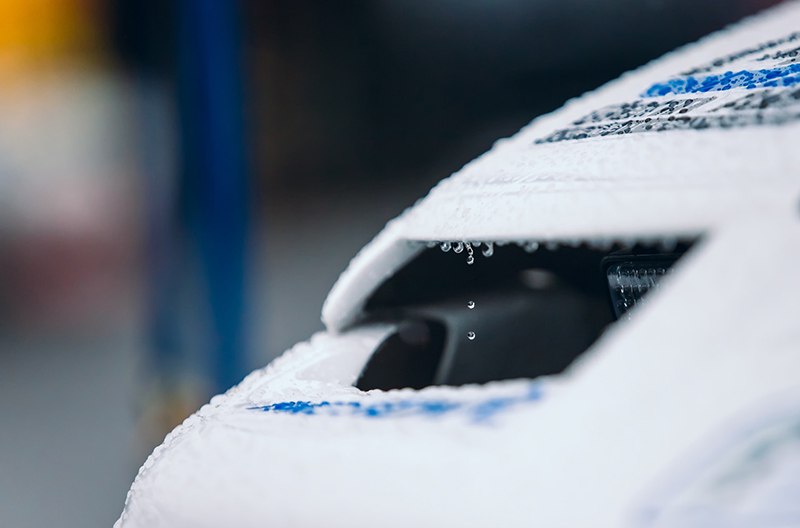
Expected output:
{"points": [[669, 244], [470, 304], [445, 246], [470, 335], [531, 246], [432, 244], [488, 251], [551, 246], [458, 247], [476, 244], [470, 260]]}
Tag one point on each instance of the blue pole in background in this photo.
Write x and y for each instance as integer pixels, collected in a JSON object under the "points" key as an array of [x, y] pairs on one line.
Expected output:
{"points": [[214, 172]]}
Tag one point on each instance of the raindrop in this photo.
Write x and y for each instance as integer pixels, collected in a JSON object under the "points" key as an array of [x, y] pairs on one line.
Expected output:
{"points": [[488, 251], [470, 260], [470, 304], [531, 246], [669, 244], [458, 247], [470, 335], [445, 246]]}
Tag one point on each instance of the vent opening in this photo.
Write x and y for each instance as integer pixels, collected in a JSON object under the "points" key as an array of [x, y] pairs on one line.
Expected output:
{"points": [[516, 314], [408, 358]]}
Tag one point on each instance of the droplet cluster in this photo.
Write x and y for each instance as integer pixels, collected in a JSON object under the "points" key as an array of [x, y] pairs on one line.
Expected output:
{"points": [[665, 244], [530, 246]]}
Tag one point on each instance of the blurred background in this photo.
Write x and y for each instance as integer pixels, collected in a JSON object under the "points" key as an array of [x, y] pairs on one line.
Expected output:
{"points": [[181, 182]]}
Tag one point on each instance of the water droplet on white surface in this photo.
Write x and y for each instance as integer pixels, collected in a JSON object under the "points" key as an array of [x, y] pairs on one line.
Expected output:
{"points": [[458, 247], [470, 335], [669, 244], [488, 251], [445, 246], [470, 304], [531, 246]]}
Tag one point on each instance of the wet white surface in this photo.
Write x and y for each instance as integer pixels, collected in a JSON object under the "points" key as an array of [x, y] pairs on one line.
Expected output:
{"points": [[68, 451]]}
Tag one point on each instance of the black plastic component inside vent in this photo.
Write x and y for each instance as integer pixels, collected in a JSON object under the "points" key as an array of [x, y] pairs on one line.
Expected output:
{"points": [[516, 314], [408, 358]]}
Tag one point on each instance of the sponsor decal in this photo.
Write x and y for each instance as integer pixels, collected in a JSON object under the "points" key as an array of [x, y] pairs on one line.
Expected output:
{"points": [[785, 76], [480, 411], [765, 92]]}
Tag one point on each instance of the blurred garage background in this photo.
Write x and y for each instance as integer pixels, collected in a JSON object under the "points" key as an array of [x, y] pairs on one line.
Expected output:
{"points": [[181, 182]]}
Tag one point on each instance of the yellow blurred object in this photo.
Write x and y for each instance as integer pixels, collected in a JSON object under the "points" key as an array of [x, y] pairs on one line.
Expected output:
{"points": [[33, 32]]}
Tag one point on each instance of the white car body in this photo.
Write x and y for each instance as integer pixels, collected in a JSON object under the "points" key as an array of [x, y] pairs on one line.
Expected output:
{"points": [[688, 414]]}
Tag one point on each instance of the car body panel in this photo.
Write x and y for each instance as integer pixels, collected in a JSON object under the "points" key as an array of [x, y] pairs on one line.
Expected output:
{"points": [[611, 442]]}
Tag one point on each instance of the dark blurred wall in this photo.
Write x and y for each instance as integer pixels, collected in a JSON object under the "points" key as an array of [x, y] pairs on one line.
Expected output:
{"points": [[358, 90]]}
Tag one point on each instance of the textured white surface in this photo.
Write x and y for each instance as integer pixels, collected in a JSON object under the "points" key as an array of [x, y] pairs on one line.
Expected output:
{"points": [[650, 393], [591, 447], [324, 366]]}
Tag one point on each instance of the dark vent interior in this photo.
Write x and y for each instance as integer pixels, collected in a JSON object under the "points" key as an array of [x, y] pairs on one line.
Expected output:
{"points": [[534, 313], [411, 355]]}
